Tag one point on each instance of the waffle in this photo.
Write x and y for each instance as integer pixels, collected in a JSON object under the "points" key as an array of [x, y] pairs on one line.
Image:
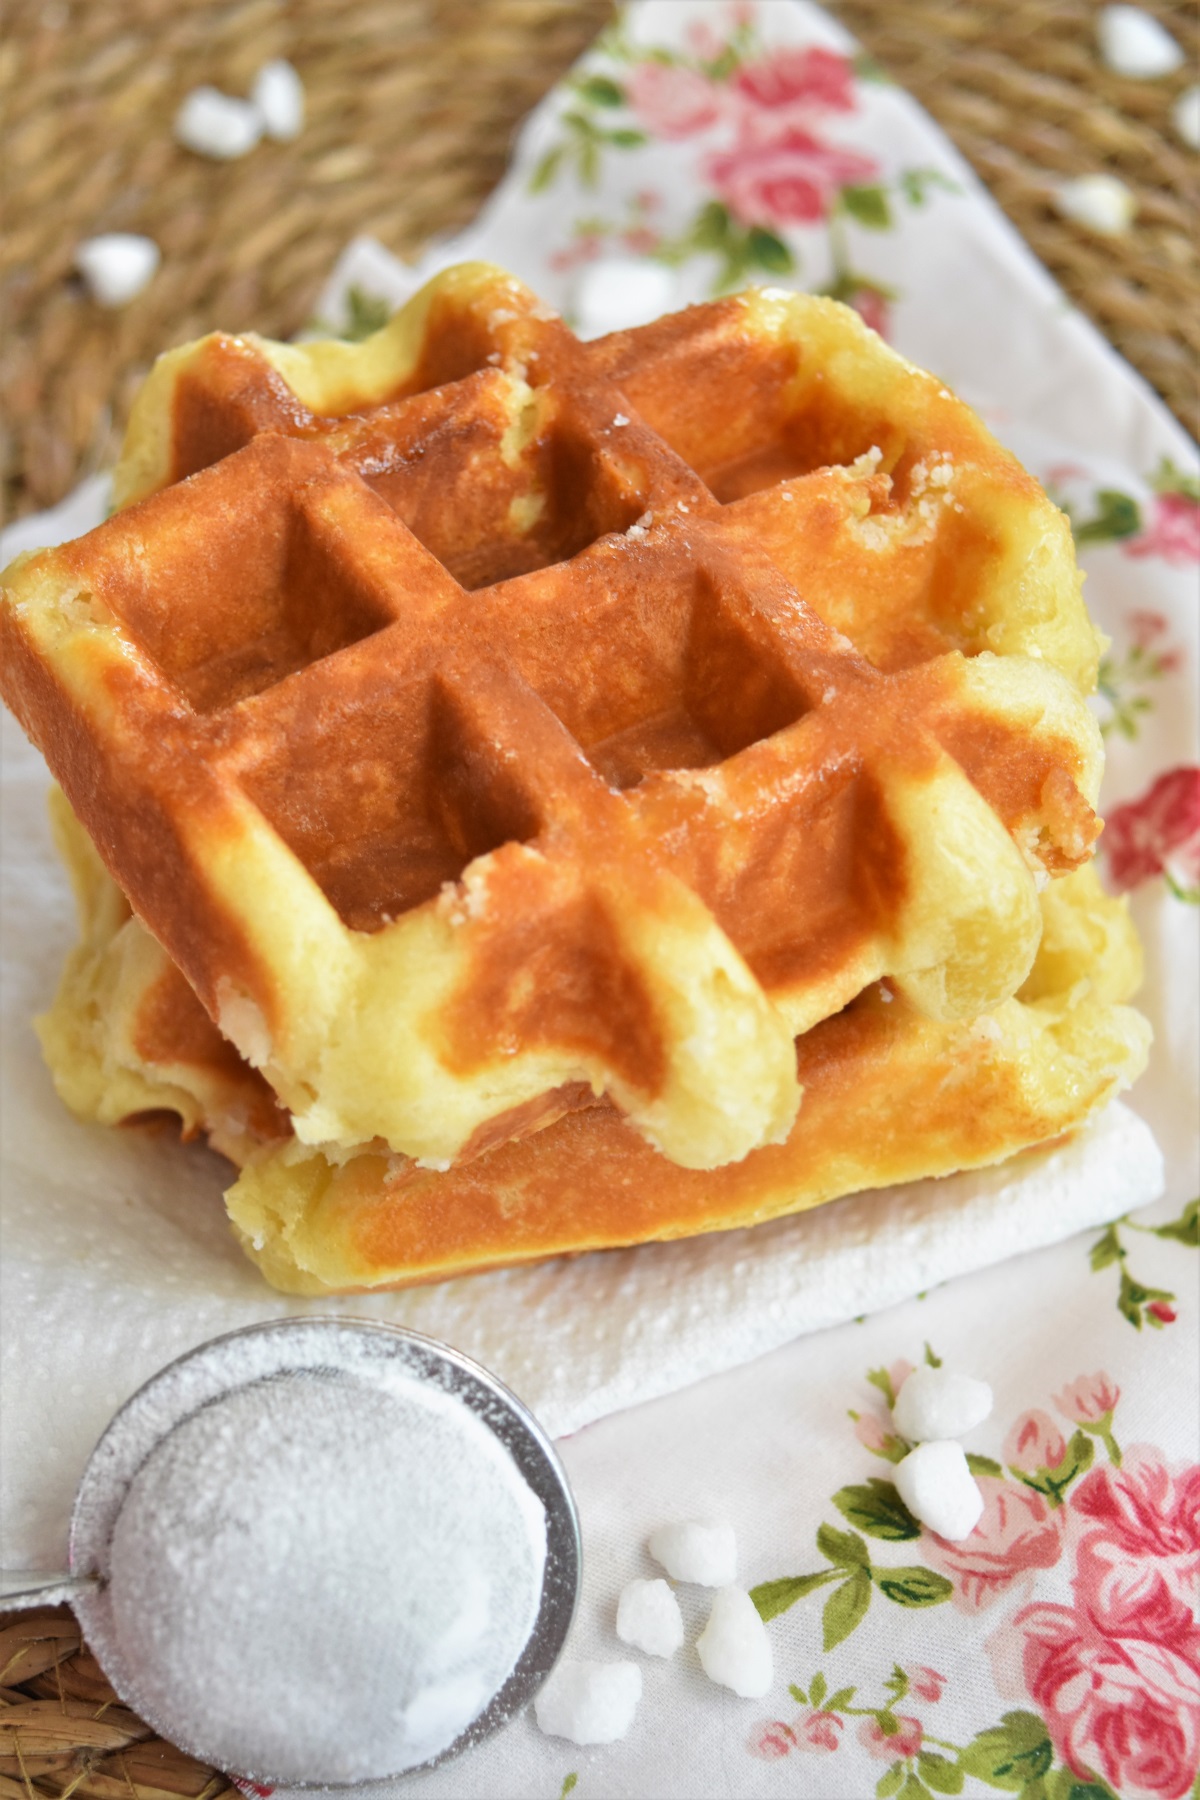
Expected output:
{"points": [[890, 1096], [477, 718]]}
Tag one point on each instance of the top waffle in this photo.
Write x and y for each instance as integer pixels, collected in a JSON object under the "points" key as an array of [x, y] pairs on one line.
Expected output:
{"points": [[486, 712]]}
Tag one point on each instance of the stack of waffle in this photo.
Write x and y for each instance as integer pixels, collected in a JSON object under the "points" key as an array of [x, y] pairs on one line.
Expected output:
{"points": [[528, 796]]}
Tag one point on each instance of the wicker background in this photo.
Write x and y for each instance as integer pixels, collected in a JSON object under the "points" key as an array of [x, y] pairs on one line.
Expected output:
{"points": [[412, 104]]}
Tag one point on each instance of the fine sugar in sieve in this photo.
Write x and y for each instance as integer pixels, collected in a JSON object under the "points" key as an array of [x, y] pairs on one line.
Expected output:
{"points": [[321, 1551]]}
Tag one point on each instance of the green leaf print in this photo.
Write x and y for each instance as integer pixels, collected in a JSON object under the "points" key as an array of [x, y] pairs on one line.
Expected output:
{"points": [[913, 1586], [939, 1773], [547, 169], [917, 184], [876, 1508], [767, 251], [845, 1608], [1118, 516], [1169, 478], [1009, 1755], [1185, 1229], [867, 206], [1107, 1249], [882, 1380], [774, 1597], [1140, 1304], [599, 90], [982, 1465], [1053, 1483], [845, 1548], [365, 315], [1133, 1296]]}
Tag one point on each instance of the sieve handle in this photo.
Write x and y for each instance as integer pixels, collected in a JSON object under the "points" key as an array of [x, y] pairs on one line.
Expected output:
{"points": [[21, 1589]]}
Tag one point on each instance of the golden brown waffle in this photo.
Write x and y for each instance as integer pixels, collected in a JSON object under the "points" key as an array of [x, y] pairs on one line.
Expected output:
{"points": [[482, 718], [889, 1096]]}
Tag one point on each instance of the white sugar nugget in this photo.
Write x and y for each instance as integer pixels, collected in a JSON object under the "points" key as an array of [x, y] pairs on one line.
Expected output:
{"points": [[589, 1702], [619, 292], [938, 1488], [705, 1554], [734, 1648], [648, 1617], [116, 265], [278, 93], [1132, 42], [1185, 116], [215, 124], [937, 1403], [1101, 202]]}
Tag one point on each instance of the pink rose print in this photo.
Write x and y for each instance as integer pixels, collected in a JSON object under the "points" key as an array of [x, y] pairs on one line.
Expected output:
{"points": [[872, 1433], [905, 1742], [771, 1739], [1145, 628], [1034, 1442], [641, 240], [1173, 532], [810, 1730], [1166, 1315], [792, 84], [584, 249], [1088, 1398], [1125, 1709], [791, 179], [871, 305], [1161, 828], [926, 1684], [1139, 1569], [1017, 1534], [673, 102], [899, 1372], [819, 1730]]}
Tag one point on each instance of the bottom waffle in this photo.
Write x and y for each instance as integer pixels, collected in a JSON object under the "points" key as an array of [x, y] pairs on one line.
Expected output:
{"points": [[889, 1096]]}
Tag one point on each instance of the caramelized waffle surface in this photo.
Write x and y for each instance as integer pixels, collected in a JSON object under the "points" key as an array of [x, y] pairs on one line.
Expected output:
{"points": [[890, 1096], [477, 718]]}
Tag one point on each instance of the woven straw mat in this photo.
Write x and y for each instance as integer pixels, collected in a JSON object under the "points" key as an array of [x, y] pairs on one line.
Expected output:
{"points": [[411, 109]]}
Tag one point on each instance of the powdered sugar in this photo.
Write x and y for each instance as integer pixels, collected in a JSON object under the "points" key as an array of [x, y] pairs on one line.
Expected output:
{"points": [[317, 1576]]}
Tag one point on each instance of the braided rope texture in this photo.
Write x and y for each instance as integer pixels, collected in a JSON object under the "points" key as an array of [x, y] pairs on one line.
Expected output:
{"points": [[1020, 88], [411, 109]]}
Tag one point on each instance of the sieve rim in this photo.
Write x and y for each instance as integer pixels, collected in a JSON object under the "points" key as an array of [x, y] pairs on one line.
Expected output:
{"points": [[174, 1394]]}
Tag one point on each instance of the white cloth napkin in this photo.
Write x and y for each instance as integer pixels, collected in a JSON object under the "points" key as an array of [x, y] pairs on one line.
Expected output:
{"points": [[116, 1253]]}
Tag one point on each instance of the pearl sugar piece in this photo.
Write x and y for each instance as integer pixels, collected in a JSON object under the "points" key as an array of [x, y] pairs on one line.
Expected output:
{"points": [[937, 1403], [589, 1702], [733, 1648], [1132, 42], [939, 1489], [648, 1617], [215, 124], [1185, 116], [704, 1554], [1101, 202], [278, 93], [116, 266]]}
